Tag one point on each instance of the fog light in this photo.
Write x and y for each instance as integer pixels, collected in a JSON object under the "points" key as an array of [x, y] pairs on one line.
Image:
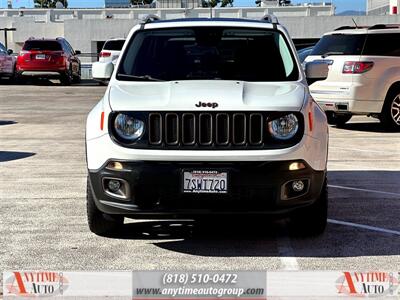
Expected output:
{"points": [[298, 186], [296, 166], [114, 185], [116, 188]]}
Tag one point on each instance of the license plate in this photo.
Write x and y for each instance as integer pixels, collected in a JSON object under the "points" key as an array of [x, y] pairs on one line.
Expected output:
{"points": [[211, 182], [40, 56]]}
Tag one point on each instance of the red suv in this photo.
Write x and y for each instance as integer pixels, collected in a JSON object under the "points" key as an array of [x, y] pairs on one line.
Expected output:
{"points": [[49, 58]]}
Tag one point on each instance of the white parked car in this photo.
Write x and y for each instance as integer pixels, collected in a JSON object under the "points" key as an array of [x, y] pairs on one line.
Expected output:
{"points": [[195, 122], [111, 50], [110, 53], [7, 62], [364, 74]]}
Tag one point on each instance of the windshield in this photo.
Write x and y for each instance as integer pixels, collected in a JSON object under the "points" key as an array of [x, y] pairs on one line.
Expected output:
{"points": [[42, 45], [340, 44], [208, 53], [115, 45]]}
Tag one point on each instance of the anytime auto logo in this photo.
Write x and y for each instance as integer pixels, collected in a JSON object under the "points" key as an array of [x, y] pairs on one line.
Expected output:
{"points": [[35, 284], [368, 284]]}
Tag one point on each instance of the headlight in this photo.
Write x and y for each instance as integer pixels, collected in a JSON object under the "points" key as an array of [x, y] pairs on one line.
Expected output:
{"points": [[128, 128], [284, 128]]}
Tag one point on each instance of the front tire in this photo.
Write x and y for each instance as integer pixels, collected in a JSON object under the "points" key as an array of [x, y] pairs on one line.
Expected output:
{"points": [[390, 116], [312, 220], [100, 223], [339, 120]]}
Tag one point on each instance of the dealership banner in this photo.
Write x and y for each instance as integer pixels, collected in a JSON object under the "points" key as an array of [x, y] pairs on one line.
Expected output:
{"points": [[241, 285]]}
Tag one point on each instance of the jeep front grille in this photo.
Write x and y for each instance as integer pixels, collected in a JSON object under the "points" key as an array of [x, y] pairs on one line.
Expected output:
{"points": [[209, 130], [206, 129]]}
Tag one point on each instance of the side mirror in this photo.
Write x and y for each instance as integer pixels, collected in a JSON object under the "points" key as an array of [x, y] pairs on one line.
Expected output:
{"points": [[102, 71], [77, 52], [9, 51], [317, 70]]}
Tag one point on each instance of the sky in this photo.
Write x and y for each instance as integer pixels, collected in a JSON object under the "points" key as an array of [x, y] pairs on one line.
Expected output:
{"points": [[341, 5]]}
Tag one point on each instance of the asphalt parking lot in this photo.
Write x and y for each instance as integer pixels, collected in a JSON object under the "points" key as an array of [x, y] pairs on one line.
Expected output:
{"points": [[43, 217]]}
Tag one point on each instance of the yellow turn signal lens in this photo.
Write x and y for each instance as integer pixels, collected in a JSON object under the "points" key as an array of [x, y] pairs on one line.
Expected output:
{"points": [[115, 165], [296, 166]]}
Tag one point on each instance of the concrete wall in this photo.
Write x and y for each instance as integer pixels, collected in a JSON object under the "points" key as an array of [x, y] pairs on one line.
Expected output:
{"points": [[26, 28], [92, 31], [380, 11], [315, 27], [84, 32], [85, 27], [372, 4], [378, 7]]}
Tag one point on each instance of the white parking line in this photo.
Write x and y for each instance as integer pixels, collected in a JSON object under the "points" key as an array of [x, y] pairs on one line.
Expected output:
{"points": [[378, 229], [286, 253], [363, 190]]}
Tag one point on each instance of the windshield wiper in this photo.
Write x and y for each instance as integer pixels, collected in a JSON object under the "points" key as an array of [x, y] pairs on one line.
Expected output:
{"points": [[331, 53], [138, 78]]}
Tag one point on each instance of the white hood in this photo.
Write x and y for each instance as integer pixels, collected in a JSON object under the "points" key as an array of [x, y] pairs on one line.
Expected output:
{"points": [[185, 95]]}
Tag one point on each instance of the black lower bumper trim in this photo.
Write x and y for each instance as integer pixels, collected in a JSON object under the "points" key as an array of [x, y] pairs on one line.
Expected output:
{"points": [[253, 187]]}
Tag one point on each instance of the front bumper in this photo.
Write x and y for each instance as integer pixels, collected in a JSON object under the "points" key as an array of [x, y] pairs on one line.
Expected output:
{"points": [[155, 188], [312, 149]]}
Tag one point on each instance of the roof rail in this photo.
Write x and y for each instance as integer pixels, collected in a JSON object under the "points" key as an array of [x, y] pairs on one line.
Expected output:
{"points": [[270, 19], [149, 18], [350, 27], [384, 26]]}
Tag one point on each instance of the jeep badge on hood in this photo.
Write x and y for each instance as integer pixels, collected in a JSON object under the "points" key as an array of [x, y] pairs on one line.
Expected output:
{"points": [[207, 104]]}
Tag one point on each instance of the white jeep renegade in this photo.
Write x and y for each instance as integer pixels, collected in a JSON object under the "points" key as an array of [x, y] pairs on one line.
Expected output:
{"points": [[364, 75], [207, 117]]}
